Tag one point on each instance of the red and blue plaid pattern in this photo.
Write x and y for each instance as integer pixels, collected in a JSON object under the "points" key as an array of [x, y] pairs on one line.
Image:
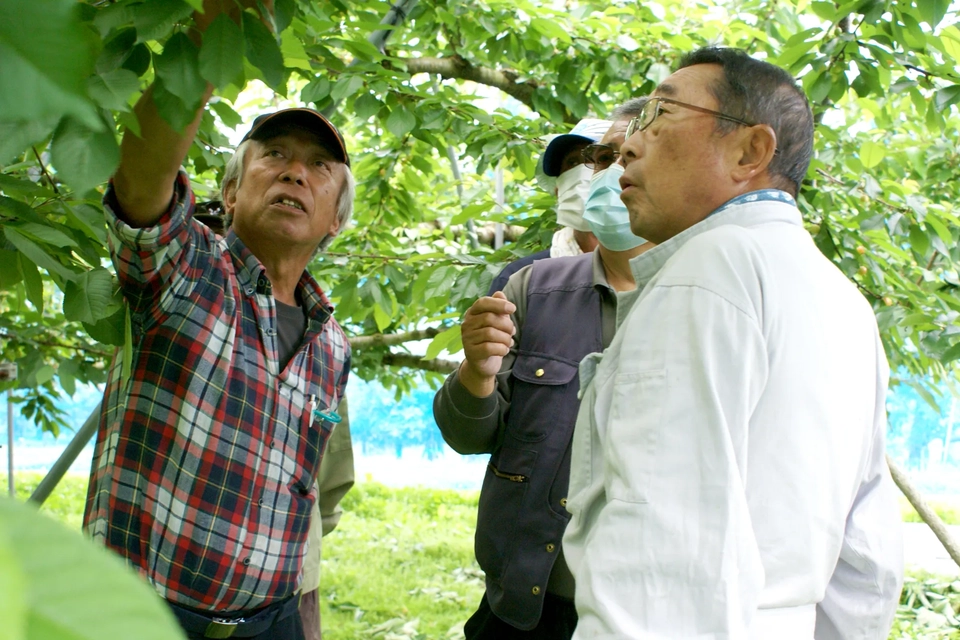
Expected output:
{"points": [[203, 473]]}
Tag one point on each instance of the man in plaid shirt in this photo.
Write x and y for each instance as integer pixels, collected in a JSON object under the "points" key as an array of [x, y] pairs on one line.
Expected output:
{"points": [[205, 466]]}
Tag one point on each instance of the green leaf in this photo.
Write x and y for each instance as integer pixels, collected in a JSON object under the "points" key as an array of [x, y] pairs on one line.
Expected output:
{"points": [[230, 117], [17, 136], [919, 241], [221, 57], [316, 90], [381, 317], [946, 97], [26, 93], [951, 354], [13, 609], [283, 13], [32, 282], [346, 87], [171, 107], [871, 154], [44, 374], [46, 234], [933, 11], [178, 67], [84, 158], [366, 105], [441, 341], [36, 254], [48, 37], [10, 185], [820, 88], [156, 18], [550, 29], [110, 330], [10, 275], [111, 90], [75, 589], [91, 297], [262, 50], [400, 122]]}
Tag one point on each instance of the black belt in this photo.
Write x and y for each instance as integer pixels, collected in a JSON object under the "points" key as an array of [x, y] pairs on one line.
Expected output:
{"points": [[237, 626]]}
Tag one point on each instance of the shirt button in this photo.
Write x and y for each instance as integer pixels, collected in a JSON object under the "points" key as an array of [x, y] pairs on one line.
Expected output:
{"points": [[246, 561], [260, 502], [563, 502], [535, 590], [550, 547], [538, 373]]}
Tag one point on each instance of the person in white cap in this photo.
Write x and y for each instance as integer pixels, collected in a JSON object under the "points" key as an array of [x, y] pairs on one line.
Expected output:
{"points": [[560, 171]]}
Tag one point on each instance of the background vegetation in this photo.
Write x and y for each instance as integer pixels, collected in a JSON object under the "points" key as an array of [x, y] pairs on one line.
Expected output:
{"points": [[449, 109], [400, 566]]}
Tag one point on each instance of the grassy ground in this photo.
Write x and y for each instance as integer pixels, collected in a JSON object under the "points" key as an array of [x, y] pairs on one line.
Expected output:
{"points": [[400, 566]]}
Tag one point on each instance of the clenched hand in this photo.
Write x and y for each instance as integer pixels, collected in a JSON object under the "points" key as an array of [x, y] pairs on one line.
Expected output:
{"points": [[487, 334]]}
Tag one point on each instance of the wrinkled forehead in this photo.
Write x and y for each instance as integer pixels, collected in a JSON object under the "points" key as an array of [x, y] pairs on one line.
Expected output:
{"points": [[691, 84], [616, 134]]}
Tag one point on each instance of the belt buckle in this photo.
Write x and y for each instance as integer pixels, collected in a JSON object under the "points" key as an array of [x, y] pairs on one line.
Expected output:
{"points": [[222, 628]]}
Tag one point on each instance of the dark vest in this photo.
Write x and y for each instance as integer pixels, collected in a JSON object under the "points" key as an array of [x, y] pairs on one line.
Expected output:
{"points": [[522, 516]]}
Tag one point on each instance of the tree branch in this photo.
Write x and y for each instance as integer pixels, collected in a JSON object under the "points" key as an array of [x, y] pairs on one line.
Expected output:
{"points": [[46, 174], [381, 340], [456, 68], [927, 514], [416, 362]]}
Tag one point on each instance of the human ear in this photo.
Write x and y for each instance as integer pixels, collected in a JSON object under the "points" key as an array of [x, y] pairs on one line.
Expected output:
{"points": [[230, 197], [757, 147]]}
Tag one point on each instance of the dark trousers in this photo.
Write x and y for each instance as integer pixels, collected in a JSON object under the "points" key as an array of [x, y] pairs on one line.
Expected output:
{"points": [[288, 627], [557, 622]]}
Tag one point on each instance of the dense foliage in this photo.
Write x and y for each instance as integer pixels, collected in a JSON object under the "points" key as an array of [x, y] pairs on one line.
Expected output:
{"points": [[462, 90]]}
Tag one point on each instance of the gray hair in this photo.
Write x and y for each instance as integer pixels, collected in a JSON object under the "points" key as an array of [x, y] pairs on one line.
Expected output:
{"points": [[757, 91], [629, 109], [233, 173]]}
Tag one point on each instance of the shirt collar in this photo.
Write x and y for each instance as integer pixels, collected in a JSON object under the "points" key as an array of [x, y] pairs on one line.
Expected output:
{"points": [[252, 278], [599, 273], [741, 211]]}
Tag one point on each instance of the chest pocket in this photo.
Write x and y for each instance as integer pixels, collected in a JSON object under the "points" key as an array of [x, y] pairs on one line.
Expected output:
{"points": [[541, 396]]}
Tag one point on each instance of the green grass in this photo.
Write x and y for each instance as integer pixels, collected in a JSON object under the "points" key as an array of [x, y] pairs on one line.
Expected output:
{"points": [[400, 566], [948, 510]]}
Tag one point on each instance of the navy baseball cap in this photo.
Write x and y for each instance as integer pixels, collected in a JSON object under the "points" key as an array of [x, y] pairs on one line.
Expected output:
{"points": [[308, 119], [588, 130]]}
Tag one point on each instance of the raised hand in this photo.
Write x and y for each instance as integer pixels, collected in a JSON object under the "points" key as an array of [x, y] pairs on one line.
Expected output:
{"points": [[487, 334]]}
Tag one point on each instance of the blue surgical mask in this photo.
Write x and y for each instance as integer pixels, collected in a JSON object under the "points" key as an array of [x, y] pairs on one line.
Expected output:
{"points": [[605, 212]]}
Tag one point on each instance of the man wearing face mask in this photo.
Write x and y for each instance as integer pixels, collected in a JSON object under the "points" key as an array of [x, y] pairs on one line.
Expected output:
{"points": [[515, 397], [560, 171]]}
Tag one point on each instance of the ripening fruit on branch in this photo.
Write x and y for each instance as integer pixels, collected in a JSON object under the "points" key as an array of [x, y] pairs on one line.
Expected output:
{"points": [[861, 249]]}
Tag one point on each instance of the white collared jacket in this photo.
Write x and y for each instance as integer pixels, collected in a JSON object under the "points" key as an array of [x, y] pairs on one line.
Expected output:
{"points": [[728, 477]]}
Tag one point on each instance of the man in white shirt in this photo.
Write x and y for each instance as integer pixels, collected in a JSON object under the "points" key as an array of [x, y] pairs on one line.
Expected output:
{"points": [[728, 476]]}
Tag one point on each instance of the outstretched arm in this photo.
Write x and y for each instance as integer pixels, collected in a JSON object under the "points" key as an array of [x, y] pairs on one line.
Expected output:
{"points": [[143, 183]]}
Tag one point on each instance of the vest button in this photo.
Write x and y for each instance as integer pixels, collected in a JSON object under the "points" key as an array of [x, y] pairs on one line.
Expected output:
{"points": [[563, 502], [551, 547], [538, 373], [535, 590]]}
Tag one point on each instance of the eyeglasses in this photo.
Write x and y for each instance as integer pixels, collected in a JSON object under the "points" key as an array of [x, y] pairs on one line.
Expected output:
{"points": [[652, 109], [599, 156]]}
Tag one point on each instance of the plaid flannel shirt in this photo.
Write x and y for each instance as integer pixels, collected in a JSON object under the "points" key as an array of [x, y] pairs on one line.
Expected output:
{"points": [[203, 475]]}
